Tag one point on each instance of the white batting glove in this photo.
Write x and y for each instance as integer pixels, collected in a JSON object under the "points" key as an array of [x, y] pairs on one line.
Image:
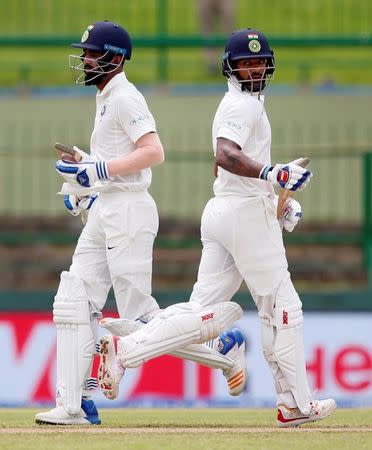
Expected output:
{"points": [[289, 176], [292, 213], [84, 174], [72, 204], [78, 205]]}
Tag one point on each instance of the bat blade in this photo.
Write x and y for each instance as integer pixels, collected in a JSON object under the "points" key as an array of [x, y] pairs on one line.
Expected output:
{"points": [[285, 194], [65, 150]]}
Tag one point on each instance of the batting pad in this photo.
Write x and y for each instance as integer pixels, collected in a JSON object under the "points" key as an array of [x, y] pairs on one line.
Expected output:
{"points": [[199, 353], [175, 327], [289, 352], [75, 340]]}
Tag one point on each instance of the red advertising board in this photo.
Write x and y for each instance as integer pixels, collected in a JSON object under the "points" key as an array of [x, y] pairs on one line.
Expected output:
{"points": [[338, 351]]}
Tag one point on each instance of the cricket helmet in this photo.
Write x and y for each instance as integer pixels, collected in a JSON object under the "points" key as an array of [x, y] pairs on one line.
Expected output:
{"points": [[107, 38], [247, 43], [104, 37]]}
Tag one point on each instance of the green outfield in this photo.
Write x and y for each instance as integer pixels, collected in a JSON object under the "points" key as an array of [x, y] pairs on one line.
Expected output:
{"points": [[176, 429]]}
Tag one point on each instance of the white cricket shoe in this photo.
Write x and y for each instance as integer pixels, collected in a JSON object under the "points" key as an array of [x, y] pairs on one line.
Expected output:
{"points": [[110, 370], [293, 417], [232, 344], [88, 415]]}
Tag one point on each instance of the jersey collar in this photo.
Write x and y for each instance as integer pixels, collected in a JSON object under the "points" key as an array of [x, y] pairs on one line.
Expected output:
{"points": [[117, 79], [235, 91]]}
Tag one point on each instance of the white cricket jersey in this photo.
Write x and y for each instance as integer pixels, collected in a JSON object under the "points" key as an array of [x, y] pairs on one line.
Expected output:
{"points": [[122, 117], [241, 118]]}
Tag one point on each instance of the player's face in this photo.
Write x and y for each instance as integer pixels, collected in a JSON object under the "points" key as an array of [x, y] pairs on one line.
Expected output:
{"points": [[90, 60], [253, 70]]}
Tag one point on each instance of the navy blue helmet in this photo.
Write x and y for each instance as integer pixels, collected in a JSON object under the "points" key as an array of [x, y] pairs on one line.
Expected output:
{"points": [[110, 40], [106, 36], [247, 43]]}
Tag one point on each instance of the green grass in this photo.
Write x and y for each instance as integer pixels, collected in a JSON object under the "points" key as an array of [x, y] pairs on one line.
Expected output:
{"points": [[285, 17], [47, 66], [176, 429]]}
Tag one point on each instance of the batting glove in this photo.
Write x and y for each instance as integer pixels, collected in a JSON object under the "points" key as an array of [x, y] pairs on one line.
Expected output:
{"points": [[289, 176], [83, 174], [292, 213], [77, 205], [72, 204]]}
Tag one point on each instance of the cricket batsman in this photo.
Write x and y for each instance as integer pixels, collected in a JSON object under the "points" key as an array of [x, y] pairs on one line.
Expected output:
{"points": [[115, 247], [242, 240]]}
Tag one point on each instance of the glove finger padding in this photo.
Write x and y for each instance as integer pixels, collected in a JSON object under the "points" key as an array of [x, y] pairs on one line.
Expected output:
{"points": [[72, 204], [86, 202], [68, 170], [289, 176], [83, 174], [299, 177], [77, 205], [292, 213]]}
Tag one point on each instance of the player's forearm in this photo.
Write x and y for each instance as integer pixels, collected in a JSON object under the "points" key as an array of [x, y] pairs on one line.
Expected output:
{"points": [[236, 162], [142, 158]]}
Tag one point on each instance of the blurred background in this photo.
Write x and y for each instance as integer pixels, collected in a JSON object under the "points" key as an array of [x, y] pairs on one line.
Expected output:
{"points": [[319, 105]]}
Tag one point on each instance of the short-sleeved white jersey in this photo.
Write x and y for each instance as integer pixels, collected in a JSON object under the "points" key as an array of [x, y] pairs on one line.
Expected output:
{"points": [[122, 117], [241, 118]]}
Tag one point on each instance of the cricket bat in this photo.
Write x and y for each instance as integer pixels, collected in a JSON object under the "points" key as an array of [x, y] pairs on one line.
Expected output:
{"points": [[65, 152], [285, 194]]}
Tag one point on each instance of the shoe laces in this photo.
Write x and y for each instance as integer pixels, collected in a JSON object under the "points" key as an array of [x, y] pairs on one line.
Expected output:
{"points": [[314, 407], [313, 403]]}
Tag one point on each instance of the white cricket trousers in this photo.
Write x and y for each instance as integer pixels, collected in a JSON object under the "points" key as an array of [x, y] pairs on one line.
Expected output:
{"points": [[241, 240], [115, 249]]}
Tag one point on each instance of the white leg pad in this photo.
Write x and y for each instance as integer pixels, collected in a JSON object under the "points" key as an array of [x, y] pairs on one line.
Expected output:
{"points": [[177, 326], [207, 356], [120, 327], [199, 353], [75, 340], [289, 352]]}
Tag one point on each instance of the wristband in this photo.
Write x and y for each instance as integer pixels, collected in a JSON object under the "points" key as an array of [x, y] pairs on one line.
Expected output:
{"points": [[264, 172], [102, 170]]}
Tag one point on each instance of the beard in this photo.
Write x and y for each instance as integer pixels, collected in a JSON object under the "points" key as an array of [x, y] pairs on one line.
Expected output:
{"points": [[254, 85], [93, 78], [104, 66]]}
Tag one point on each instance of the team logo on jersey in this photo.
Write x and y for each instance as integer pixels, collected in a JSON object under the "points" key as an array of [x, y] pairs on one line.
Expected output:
{"points": [[103, 110], [85, 35], [254, 46]]}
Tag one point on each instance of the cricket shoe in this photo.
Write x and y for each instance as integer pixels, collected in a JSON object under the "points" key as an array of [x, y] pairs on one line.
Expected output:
{"points": [[88, 415], [110, 370], [232, 344], [293, 417]]}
